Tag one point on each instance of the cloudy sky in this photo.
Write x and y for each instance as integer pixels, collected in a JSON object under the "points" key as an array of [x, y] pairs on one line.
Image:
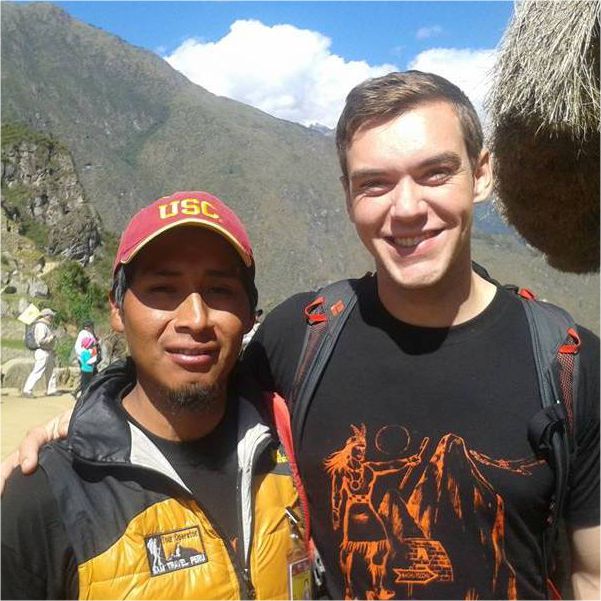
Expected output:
{"points": [[298, 60]]}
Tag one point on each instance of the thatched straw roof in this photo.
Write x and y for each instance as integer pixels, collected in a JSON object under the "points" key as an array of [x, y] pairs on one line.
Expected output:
{"points": [[544, 108]]}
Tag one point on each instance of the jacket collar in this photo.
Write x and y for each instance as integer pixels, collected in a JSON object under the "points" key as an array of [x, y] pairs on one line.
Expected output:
{"points": [[100, 432]]}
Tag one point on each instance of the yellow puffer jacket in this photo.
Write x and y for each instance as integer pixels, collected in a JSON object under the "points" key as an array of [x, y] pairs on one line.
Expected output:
{"points": [[136, 531]]}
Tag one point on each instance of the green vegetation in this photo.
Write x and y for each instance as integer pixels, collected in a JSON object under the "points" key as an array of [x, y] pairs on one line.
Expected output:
{"points": [[14, 344], [13, 133], [101, 269], [74, 295], [64, 350]]}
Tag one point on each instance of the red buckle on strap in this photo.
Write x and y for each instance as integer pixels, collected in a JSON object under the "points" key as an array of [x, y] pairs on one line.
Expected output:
{"points": [[337, 307], [527, 294], [571, 349], [315, 317]]}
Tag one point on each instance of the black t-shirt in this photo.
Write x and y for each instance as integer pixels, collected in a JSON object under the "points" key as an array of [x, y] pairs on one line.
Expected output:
{"points": [[35, 531], [209, 468], [414, 453]]}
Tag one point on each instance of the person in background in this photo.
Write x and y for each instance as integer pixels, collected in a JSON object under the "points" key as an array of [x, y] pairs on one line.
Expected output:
{"points": [[44, 355], [87, 350]]}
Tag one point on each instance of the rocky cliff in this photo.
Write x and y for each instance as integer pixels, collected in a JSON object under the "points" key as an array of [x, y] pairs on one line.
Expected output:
{"points": [[46, 222], [42, 197]]}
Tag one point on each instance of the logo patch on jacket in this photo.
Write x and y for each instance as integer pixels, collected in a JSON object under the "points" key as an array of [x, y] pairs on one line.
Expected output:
{"points": [[176, 550], [281, 465]]}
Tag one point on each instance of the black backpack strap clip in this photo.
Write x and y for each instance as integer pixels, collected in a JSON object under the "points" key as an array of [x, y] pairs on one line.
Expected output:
{"points": [[543, 426]]}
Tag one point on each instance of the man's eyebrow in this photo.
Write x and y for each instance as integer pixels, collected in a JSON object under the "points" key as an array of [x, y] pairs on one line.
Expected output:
{"points": [[450, 158], [361, 173]]}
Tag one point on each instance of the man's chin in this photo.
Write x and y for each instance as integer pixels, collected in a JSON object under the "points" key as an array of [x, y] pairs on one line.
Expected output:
{"points": [[411, 278], [194, 398]]}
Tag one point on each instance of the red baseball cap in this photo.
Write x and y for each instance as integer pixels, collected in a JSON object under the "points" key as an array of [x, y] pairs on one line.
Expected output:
{"points": [[183, 208]]}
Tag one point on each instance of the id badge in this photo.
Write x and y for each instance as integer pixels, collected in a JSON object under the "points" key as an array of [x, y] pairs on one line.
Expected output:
{"points": [[299, 579]]}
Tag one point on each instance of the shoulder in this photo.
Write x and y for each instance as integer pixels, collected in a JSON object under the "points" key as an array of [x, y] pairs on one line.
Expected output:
{"points": [[284, 322], [273, 350], [26, 492], [589, 343], [37, 557], [288, 309], [293, 308], [28, 501], [53, 456]]}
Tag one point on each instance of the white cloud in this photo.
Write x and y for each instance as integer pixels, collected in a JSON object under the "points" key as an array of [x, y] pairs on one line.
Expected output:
{"points": [[283, 70], [468, 69], [423, 33]]}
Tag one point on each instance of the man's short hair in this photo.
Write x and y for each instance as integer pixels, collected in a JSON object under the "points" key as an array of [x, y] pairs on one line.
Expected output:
{"points": [[380, 99], [121, 283]]}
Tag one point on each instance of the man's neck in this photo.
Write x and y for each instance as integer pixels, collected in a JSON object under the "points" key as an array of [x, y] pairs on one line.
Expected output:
{"points": [[438, 306], [159, 416]]}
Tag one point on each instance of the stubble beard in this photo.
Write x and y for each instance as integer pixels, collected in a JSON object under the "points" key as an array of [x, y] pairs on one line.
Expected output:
{"points": [[193, 398]]}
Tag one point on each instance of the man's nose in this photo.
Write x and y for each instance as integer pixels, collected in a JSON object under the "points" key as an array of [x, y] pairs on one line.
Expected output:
{"points": [[192, 313], [407, 200]]}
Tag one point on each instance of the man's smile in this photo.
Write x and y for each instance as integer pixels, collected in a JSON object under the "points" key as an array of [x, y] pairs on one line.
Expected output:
{"points": [[193, 357]]}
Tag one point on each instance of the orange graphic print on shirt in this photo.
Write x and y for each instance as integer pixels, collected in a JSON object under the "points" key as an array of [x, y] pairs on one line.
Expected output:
{"points": [[397, 543]]}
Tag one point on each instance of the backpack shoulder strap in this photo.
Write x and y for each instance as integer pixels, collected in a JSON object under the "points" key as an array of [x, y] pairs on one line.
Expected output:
{"points": [[281, 420], [556, 346], [325, 315]]}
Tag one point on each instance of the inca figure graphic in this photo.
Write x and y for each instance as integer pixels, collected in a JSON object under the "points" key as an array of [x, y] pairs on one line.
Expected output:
{"points": [[364, 537]]}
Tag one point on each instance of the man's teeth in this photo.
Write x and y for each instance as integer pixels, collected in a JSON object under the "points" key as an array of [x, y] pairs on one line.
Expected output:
{"points": [[407, 242], [189, 352]]}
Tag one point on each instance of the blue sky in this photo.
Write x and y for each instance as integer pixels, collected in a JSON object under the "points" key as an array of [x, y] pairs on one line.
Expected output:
{"points": [[297, 60]]}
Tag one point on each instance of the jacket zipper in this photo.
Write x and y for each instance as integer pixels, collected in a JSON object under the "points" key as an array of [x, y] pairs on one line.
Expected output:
{"points": [[262, 444]]}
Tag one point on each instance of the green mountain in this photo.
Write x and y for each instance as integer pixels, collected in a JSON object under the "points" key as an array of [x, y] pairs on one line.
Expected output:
{"points": [[136, 129]]}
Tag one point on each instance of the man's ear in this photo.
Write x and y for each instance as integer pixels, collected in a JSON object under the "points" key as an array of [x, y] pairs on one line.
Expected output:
{"points": [[116, 316], [248, 322], [483, 176], [347, 196]]}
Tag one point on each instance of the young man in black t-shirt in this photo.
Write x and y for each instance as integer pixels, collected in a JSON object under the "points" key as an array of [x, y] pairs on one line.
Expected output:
{"points": [[414, 453]]}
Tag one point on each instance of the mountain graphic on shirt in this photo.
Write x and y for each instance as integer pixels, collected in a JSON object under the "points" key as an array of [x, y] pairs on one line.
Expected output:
{"points": [[437, 531], [454, 504]]}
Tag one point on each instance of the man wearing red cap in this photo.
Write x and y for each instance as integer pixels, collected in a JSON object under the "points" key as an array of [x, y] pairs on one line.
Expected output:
{"points": [[170, 485]]}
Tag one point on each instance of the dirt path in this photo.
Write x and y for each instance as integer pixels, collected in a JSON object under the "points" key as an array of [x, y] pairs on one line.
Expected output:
{"points": [[18, 415]]}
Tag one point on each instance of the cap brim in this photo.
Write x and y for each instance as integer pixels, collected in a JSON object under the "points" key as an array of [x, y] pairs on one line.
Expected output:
{"points": [[246, 258]]}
